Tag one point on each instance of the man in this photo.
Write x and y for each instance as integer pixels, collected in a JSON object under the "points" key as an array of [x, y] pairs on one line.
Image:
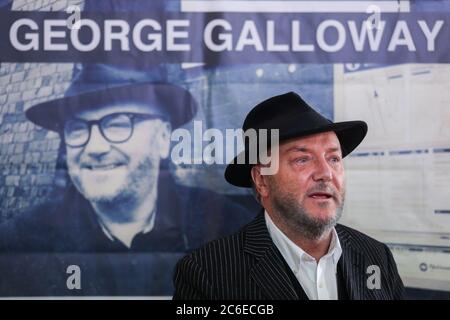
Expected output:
{"points": [[115, 126], [295, 249]]}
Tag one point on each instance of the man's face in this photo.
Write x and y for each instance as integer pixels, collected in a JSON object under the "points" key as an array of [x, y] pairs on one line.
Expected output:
{"points": [[308, 191], [108, 172]]}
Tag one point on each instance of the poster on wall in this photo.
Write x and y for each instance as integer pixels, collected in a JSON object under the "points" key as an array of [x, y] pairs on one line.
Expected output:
{"points": [[118, 118]]}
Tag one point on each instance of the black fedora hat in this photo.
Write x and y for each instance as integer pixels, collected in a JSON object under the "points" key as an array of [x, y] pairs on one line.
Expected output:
{"points": [[293, 117], [95, 85]]}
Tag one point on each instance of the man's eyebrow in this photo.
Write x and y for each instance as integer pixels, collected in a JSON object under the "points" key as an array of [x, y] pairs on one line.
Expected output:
{"points": [[297, 149], [305, 149], [333, 149]]}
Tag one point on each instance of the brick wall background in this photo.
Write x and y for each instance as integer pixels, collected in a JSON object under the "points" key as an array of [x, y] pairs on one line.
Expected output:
{"points": [[28, 154]]}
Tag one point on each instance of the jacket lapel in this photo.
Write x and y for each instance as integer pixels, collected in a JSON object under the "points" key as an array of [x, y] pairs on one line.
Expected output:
{"points": [[353, 264], [269, 272]]}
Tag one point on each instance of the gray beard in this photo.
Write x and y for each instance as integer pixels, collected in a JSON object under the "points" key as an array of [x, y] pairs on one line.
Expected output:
{"points": [[297, 218], [120, 208]]}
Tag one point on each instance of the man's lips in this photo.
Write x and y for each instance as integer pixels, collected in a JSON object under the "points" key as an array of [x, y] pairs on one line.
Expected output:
{"points": [[101, 167]]}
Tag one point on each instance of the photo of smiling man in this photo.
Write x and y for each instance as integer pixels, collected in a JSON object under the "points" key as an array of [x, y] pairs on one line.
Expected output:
{"points": [[122, 221]]}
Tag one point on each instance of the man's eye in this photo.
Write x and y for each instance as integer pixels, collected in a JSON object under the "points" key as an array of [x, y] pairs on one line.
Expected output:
{"points": [[301, 160], [118, 124], [335, 159]]}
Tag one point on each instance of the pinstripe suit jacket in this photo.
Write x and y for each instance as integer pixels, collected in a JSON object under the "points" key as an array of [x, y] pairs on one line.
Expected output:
{"points": [[248, 266]]}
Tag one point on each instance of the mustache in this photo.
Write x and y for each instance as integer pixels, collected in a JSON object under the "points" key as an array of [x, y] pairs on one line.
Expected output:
{"points": [[110, 158], [324, 188]]}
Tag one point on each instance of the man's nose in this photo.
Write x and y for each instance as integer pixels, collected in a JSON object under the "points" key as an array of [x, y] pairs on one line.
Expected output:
{"points": [[97, 144], [322, 171]]}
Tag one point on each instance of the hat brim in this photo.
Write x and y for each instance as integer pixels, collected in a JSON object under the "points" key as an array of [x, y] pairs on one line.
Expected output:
{"points": [[349, 133], [173, 101]]}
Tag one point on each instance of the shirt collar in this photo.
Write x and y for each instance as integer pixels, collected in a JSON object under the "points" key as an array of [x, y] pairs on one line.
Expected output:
{"points": [[292, 253], [146, 229]]}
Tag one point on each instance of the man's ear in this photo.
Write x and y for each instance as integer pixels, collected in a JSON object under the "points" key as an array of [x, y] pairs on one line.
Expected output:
{"points": [[164, 137], [260, 181]]}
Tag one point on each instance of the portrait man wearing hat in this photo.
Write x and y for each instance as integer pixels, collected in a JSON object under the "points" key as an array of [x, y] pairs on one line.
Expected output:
{"points": [[115, 128], [294, 249]]}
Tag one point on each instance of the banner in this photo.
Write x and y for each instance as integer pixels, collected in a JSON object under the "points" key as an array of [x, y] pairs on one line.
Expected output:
{"points": [[118, 118], [231, 38]]}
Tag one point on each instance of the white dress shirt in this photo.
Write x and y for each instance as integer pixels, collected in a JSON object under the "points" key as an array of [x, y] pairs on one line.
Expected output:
{"points": [[318, 280]]}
